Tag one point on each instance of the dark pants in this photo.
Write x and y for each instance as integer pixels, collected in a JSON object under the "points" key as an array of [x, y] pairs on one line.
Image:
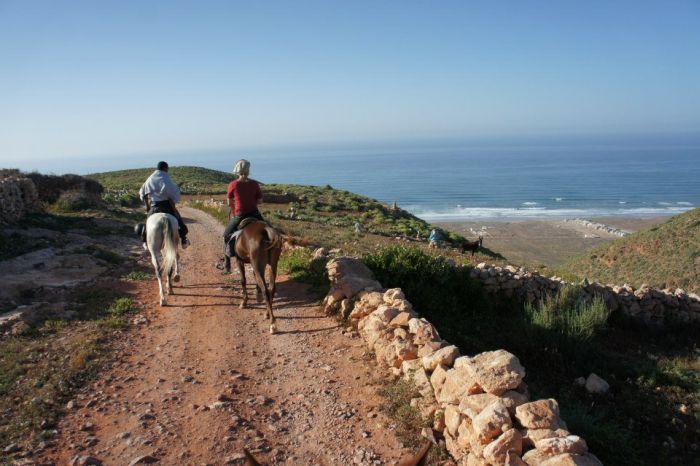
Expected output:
{"points": [[232, 227], [166, 207]]}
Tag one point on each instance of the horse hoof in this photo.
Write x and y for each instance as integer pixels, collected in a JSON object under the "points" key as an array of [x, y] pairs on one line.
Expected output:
{"points": [[176, 278], [273, 329], [162, 302], [242, 306]]}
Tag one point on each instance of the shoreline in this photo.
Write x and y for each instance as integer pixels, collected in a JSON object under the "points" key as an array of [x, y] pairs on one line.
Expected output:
{"points": [[545, 242]]}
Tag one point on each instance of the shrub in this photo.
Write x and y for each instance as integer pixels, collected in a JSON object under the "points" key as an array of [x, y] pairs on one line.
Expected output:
{"points": [[300, 264], [568, 316], [50, 187], [75, 201]]}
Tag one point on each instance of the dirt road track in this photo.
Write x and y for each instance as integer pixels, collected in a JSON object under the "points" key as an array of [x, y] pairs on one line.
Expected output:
{"points": [[204, 379]]}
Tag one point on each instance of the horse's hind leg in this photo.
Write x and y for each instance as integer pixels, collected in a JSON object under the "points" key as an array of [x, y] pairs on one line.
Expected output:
{"points": [[156, 266], [244, 285], [170, 285], [176, 278], [259, 273]]}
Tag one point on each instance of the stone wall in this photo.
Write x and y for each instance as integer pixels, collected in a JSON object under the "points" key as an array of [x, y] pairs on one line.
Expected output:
{"points": [[480, 405], [648, 305], [18, 196]]}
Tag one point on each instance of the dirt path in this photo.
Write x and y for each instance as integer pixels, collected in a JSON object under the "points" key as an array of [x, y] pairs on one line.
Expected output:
{"points": [[204, 379]]}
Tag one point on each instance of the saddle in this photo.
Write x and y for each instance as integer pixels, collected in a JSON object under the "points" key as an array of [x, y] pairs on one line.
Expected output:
{"points": [[230, 249]]}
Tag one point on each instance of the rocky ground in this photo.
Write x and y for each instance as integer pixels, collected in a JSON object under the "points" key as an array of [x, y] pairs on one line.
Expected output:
{"points": [[201, 379]]}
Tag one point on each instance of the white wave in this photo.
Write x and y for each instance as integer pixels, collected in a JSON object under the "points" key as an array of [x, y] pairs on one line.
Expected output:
{"points": [[504, 213], [622, 202], [665, 203], [684, 203], [530, 203], [558, 199]]}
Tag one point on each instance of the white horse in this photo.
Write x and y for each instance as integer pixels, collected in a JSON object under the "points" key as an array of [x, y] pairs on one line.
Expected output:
{"points": [[162, 237]]}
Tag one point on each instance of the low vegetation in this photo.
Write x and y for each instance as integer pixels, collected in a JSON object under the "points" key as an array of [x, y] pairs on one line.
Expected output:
{"points": [[42, 368], [560, 340], [301, 265], [667, 255]]}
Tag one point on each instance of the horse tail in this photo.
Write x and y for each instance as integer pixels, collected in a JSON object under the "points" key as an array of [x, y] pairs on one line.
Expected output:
{"points": [[273, 237], [169, 245]]}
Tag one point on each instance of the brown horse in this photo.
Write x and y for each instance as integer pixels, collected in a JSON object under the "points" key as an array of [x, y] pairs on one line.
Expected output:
{"points": [[259, 245], [472, 246]]}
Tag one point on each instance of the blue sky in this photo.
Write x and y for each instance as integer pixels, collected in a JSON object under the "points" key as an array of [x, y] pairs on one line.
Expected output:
{"points": [[97, 78]]}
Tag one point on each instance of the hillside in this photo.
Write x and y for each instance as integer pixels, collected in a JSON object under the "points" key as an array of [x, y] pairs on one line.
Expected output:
{"points": [[322, 215], [666, 256], [192, 180]]}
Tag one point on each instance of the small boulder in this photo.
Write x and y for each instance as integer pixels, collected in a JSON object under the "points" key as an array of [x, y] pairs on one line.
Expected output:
{"points": [[437, 379], [491, 422], [558, 445], [596, 384], [442, 357], [458, 383], [393, 294], [401, 319], [496, 371], [496, 451], [540, 414]]}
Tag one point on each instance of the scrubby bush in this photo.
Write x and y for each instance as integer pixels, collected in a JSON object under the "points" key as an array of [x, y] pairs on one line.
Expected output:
{"points": [[568, 315], [75, 201], [300, 265], [50, 187]]}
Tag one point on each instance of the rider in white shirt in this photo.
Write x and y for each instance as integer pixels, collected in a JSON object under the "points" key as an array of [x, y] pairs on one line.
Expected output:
{"points": [[160, 195]]}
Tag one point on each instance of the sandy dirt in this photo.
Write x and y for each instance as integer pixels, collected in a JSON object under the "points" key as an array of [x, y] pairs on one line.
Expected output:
{"points": [[203, 379], [544, 242]]}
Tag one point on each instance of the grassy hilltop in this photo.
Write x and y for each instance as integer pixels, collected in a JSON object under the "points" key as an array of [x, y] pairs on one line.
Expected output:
{"points": [[192, 180], [667, 255]]}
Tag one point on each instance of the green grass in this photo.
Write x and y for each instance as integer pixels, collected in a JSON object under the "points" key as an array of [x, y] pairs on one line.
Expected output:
{"points": [[397, 405], [137, 275], [192, 180], [300, 265], [667, 255]]}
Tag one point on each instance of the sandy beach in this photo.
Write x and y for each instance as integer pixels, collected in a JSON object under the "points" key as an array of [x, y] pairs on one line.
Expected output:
{"points": [[547, 242]]}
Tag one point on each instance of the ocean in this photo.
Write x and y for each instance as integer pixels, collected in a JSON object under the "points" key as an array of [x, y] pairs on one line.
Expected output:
{"points": [[489, 181], [504, 183]]}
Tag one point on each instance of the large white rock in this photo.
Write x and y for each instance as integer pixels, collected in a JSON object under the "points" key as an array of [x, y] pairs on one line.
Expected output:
{"points": [[442, 357], [437, 379], [496, 451], [540, 414], [453, 419], [393, 294], [423, 330], [491, 422], [458, 383], [496, 371], [558, 445], [371, 329]]}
